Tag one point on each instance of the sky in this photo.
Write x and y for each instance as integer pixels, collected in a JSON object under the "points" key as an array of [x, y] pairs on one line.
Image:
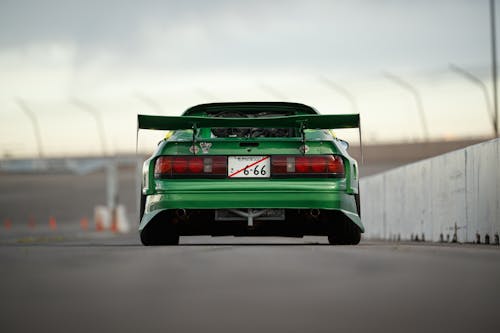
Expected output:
{"points": [[78, 66]]}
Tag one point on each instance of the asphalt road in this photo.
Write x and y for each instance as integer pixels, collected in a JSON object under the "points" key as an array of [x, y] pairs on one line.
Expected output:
{"points": [[75, 281]]}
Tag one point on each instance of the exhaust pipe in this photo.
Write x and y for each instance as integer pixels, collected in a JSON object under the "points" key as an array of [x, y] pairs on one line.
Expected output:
{"points": [[181, 213], [315, 212]]}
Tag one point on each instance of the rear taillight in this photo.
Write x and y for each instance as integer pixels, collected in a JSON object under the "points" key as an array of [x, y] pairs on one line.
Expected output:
{"points": [[314, 165], [191, 166]]}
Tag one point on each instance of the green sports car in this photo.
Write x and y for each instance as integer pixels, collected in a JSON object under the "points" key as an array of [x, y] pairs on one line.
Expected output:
{"points": [[250, 169]]}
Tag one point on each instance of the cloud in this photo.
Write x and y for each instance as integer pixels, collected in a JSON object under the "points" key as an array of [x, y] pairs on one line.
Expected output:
{"points": [[107, 52], [195, 34]]}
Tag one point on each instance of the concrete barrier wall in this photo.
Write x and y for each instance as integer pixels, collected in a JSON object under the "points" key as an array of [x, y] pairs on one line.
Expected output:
{"points": [[452, 196]]}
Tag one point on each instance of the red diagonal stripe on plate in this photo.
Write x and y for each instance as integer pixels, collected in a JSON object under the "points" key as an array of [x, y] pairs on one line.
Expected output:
{"points": [[248, 166]]}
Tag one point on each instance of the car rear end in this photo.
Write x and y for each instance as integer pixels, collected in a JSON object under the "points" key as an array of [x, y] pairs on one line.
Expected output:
{"points": [[198, 184]]}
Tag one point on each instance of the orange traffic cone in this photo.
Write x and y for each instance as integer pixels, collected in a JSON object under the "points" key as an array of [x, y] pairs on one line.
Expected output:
{"points": [[114, 221], [84, 224], [7, 224], [99, 224], [52, 223]]}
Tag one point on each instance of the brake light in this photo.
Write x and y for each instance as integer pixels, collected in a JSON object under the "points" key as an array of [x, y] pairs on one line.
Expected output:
{"points": [[336, 165], [195, 165], [192, 166], [301, 164], [179, 165], [319, 164], [314, 165]]}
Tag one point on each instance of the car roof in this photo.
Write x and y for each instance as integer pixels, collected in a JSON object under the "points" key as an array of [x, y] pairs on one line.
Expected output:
{"points": [[250, 107]]}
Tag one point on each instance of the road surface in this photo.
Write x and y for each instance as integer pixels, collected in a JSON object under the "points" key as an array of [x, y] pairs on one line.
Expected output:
{"points": [[69, 280], [74, 280]]}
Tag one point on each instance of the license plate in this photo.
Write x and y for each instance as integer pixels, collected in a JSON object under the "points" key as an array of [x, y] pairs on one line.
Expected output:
{"points": [[248, 166]]}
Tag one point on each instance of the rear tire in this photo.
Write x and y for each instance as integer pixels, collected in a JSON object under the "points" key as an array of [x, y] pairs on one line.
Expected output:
{"points": [[148, 239], [346, 233], [160, 231], [142, 207]]}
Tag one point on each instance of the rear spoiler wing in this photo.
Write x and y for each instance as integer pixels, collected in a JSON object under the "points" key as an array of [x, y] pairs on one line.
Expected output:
{"points": [[302, 121], [313, 121]]}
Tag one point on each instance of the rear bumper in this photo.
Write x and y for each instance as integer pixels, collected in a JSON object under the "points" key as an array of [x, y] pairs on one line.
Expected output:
{"points": [[218, 200], [326, 194]]}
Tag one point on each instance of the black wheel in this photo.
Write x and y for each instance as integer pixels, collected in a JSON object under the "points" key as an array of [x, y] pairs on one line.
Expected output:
{"points": [[149, 239], [142, 207], [160, 231], [346, 233]]}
